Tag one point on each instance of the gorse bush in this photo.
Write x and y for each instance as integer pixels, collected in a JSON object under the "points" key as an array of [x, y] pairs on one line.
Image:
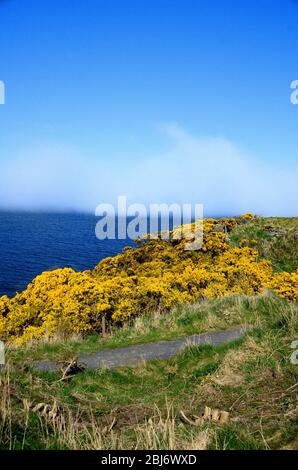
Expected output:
{"points": [[157, 275]]}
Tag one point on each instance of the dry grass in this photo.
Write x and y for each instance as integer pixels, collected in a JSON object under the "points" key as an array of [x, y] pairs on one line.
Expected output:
{"points": [[5, 410], [201, 441], [140, 408]]}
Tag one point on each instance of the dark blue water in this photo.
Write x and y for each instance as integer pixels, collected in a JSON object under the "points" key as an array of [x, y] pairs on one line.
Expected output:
{"points": [[31, 243]]}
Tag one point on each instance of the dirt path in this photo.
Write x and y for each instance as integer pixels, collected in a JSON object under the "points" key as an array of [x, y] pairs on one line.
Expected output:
{"points": [[133, 355]]}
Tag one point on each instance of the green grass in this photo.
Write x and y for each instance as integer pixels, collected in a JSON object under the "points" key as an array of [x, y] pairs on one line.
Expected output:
{"points": [[185, 320], [131, 408], [252, 378], [275, 238]]}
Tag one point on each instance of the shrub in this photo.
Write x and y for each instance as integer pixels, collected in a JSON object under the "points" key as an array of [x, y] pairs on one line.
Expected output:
{"points": [[157, 275]]}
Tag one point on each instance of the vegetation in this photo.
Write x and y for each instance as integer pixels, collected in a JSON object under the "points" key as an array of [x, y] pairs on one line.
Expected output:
{"points": [[275, 239], [245, 274], [252, 379], [157, 276]]}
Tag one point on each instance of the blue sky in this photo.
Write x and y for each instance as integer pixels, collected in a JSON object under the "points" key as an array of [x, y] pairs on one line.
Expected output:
{"points": [[160, 100]]}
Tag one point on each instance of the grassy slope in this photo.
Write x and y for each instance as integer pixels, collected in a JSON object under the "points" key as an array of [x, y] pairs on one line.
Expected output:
{"points": [[276, 240], [252, 378]]}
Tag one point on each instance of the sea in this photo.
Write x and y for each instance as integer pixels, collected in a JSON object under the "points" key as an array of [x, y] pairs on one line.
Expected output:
{"points": [[31, 243]]}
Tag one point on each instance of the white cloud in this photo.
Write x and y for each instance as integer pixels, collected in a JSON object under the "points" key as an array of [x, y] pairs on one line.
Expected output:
{"points": [[212, 171]]}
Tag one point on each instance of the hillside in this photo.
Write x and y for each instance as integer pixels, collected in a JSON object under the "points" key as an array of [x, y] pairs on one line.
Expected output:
{"points": [[239, 256], [253, 379], [245, 275]]}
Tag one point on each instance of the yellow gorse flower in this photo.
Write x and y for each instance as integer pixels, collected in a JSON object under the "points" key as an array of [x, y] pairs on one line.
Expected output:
{"points": [[157, 275]]}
